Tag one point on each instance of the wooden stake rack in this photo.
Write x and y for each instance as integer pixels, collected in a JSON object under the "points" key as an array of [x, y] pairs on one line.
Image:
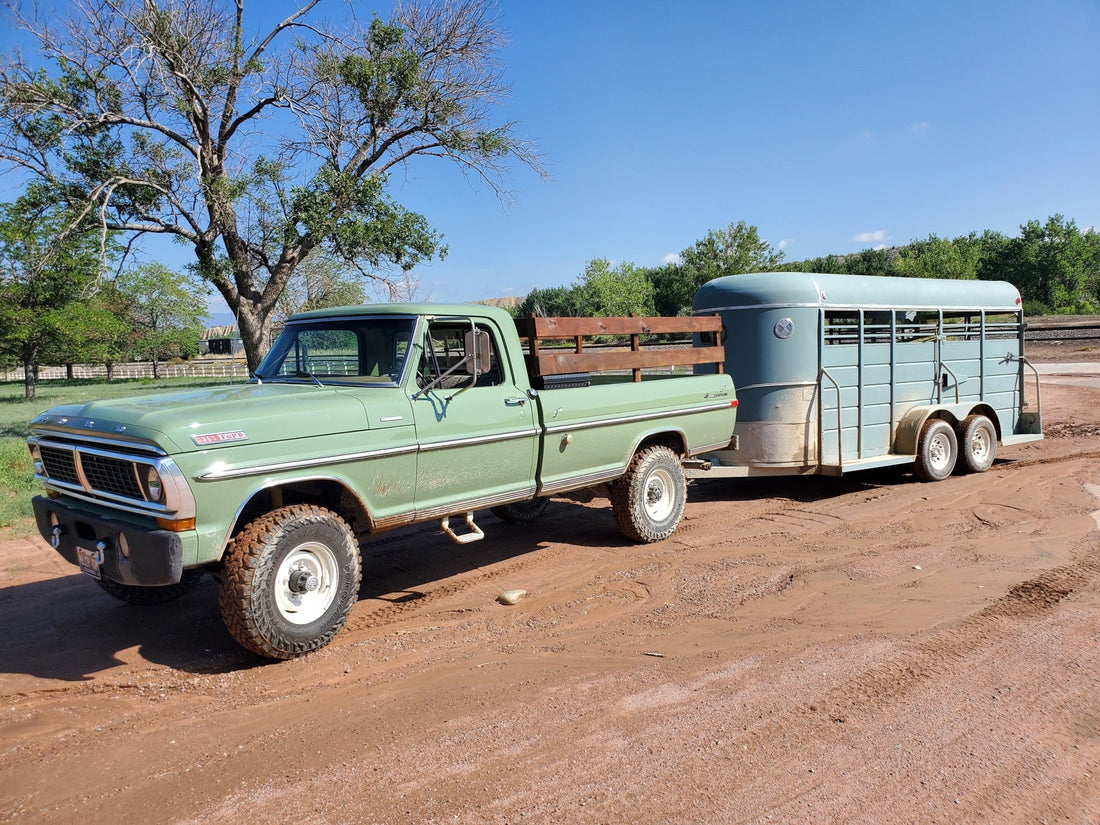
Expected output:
{"points": [[559, 361]]}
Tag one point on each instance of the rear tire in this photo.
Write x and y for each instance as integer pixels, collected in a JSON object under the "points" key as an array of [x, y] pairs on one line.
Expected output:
{"points": [[520, 512], [977, 444], [937, 451], [648, 500], [152, 596], [289, 581]]}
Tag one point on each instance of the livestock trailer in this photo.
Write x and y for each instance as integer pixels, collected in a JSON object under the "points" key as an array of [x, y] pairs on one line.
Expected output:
{"points": [[836, 373]]}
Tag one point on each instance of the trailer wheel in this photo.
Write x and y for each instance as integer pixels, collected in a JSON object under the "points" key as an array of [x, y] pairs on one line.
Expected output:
{"points": [[289, 581], [152, 596], [937, 450], [977, 444], [648, 500], [520, 512]]}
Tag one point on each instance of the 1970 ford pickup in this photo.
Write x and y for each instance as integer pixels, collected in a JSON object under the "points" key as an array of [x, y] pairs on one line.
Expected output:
{"points": [[360, 420]]}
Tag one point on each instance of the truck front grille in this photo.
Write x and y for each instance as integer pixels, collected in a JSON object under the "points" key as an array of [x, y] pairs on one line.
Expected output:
{"points": [[60, 464], [111, 475], [93, 470]]}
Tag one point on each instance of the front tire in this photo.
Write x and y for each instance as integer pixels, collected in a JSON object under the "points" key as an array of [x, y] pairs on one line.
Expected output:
{"points": [[289, 581], [648, 500], [152, 596], [937, 450], [977, 444]]}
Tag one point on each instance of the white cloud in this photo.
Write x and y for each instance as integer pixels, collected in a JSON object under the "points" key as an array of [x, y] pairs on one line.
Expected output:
{"points": [[922, 126], [783, 244], [672, 258], [877, 236]]}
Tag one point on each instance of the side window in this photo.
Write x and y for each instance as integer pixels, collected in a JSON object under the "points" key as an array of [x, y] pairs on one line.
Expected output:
{"points": [[445, 358]]}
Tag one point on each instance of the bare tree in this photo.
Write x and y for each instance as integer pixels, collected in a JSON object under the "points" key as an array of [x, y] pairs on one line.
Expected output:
{"points": [[166, 117]]}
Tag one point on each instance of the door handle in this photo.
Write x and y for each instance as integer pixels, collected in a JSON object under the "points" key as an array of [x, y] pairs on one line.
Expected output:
{"points": [[515, 402]]}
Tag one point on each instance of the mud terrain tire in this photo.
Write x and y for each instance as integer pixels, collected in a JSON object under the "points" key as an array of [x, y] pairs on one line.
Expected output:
{"points": [[520, 512], [648, 500], [289, 581], [152, 596]]}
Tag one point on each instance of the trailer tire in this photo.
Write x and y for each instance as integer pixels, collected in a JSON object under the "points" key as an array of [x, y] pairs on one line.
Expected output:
{"points": [[152, 596], [977, 444], [289, 581], [520, 512], [937, 450], [648, 499]]}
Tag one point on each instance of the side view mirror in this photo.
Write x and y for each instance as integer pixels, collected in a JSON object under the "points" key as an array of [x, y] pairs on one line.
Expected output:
{"points": [[479, 352]]}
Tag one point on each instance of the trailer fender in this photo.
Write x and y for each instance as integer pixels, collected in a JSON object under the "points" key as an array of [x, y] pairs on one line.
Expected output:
{"points": [[911, 424]]}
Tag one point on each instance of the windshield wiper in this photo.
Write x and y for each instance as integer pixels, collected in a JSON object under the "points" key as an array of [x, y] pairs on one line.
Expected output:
{"points": [[310, 375]]}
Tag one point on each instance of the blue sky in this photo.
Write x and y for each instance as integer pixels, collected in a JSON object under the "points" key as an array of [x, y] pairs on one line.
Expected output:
{"points": [[831, 126]]}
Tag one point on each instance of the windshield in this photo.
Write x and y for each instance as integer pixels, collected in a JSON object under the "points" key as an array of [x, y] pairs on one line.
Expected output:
{"points": [[370, 350]]}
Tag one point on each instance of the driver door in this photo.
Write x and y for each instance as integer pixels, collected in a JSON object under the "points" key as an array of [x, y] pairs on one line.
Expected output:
{"points": [[477, 436]]}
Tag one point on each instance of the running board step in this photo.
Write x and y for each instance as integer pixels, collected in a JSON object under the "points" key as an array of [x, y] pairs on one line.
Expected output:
{"points": [[475, 534]]}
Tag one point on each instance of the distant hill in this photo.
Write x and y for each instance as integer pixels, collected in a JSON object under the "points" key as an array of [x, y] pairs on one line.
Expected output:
{"points": [[503, 303]]}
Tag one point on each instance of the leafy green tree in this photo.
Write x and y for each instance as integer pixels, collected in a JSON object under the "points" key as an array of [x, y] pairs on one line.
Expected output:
{"points": [[668, 290], [609, 291], [319, 282], [1053, 264], [168, 117], [550, 302], [731, 251], [870, 262], [830, 263], [936, 257], [166, 312], [49, 279]]}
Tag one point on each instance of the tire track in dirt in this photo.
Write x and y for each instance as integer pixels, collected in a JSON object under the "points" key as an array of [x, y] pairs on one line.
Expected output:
{"points": [[940, 653]]}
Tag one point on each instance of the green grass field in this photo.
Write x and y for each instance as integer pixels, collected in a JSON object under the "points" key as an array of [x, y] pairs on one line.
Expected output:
{"points": [[17, 483]]}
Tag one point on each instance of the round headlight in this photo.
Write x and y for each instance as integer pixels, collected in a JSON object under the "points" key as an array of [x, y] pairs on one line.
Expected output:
{"points": [[153, 485]]}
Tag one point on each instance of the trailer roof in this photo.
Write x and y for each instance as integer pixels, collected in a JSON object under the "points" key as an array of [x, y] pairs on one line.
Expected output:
{"points": [[826, 290]]}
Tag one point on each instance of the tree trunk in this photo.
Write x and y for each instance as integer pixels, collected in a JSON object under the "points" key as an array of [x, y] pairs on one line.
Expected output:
{"points": [[254, 326], [69, 371], [156, 367], [110, 365], [30, 373]]}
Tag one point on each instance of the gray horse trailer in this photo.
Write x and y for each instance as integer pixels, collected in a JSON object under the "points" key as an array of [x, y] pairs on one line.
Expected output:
{"points": [[837, 373]]}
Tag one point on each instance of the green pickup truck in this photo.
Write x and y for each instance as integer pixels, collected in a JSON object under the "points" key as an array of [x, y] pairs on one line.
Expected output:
{"points": [[361, 420]]}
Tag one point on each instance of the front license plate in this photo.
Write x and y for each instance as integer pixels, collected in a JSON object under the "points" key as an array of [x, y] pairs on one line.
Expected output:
{"points": [[89, 561]]}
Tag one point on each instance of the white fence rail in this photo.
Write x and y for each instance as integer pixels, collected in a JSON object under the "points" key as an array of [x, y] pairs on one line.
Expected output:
{"points": [[228, 368]]}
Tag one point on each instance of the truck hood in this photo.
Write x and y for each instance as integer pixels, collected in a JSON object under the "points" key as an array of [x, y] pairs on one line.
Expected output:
{"points": [[221, 416]]}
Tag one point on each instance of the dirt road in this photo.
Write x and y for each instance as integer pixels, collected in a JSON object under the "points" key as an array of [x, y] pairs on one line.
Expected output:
{"points": [[869, 649]]}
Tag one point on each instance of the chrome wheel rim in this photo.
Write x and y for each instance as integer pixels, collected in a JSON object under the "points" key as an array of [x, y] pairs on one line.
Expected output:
{"points": [[306, 583], [939, 452], [659, 499]]}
